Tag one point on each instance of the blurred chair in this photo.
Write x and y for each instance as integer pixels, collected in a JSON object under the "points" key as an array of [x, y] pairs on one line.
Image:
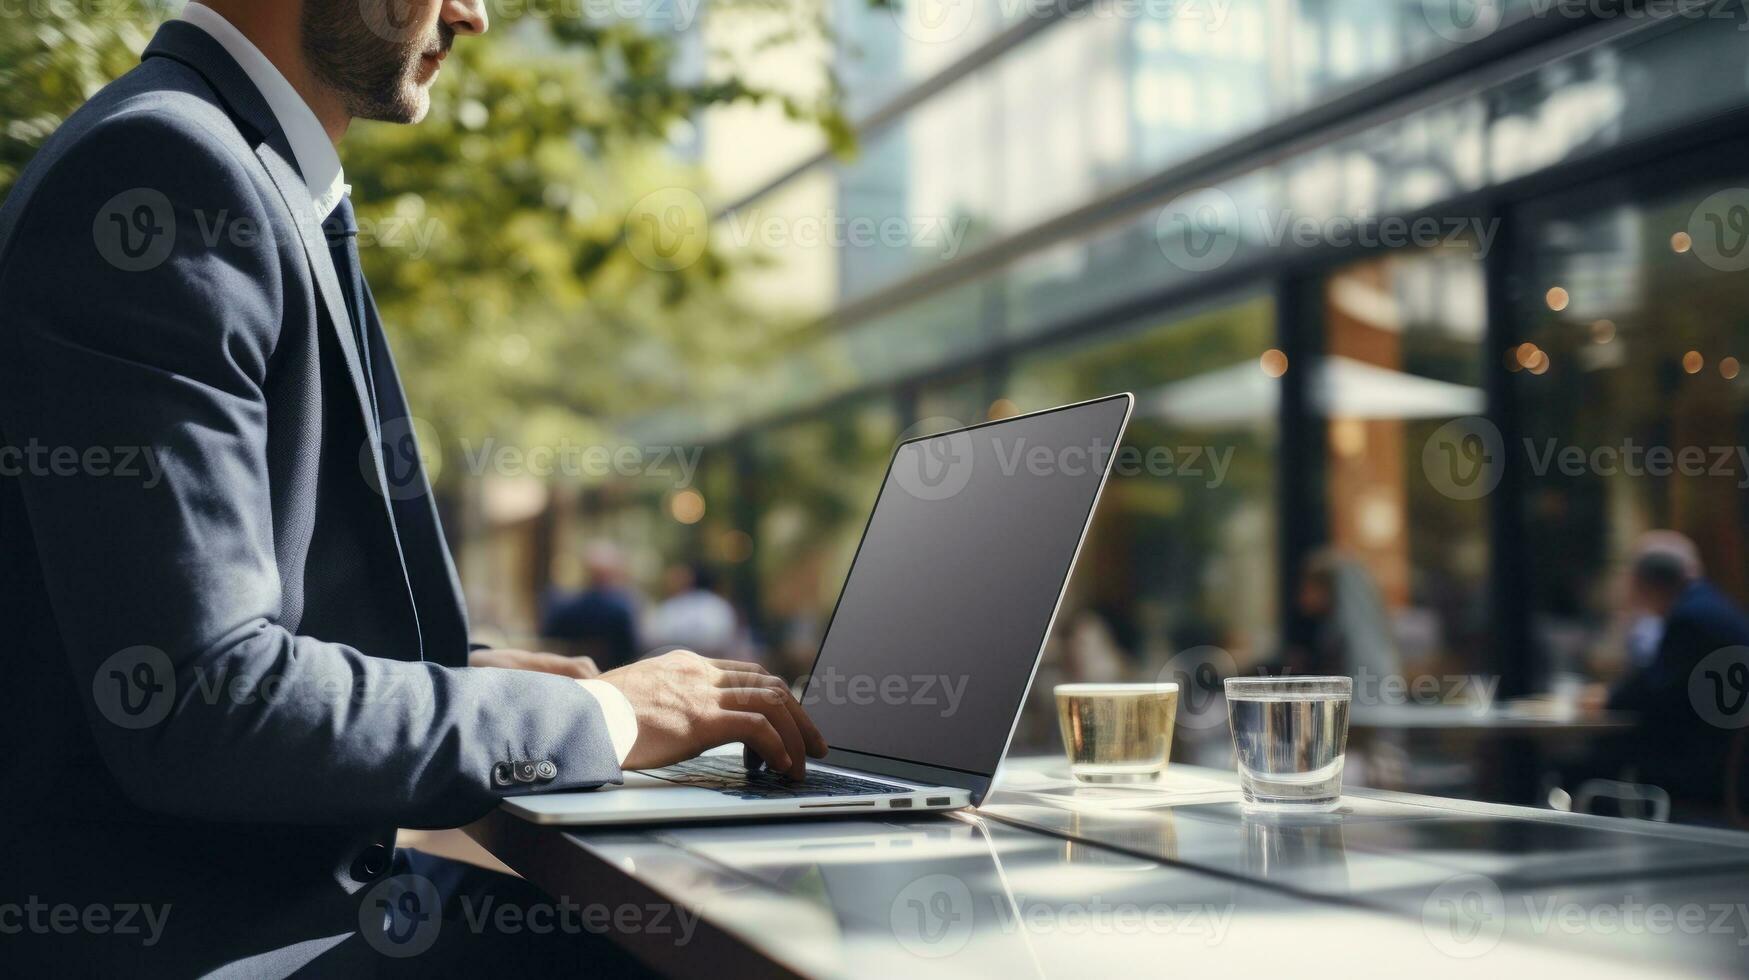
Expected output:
{"points": [[1731, 810], [1628, 797]]}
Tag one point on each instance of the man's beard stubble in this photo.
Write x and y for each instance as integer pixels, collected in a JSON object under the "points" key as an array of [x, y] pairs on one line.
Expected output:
{"points": [[372, 63]]}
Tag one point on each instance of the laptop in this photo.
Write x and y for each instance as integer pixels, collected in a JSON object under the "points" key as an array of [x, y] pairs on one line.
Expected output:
{"points": [[929, 655]]}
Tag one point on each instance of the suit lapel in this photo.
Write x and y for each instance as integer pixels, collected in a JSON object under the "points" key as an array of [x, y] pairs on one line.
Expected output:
{"points": [[297, 198], [436, 588], [195, 48]]}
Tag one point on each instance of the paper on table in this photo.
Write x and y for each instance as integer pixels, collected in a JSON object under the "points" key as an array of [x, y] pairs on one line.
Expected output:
{"points": [[1173, 788]]}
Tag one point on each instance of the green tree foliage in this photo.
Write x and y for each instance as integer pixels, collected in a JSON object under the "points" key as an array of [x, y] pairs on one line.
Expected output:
{"points": [[54, 54], [523, 298]]}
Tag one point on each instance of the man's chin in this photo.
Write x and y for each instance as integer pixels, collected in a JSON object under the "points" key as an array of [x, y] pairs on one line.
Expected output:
{"points": [[411, 107], [418, 107]]}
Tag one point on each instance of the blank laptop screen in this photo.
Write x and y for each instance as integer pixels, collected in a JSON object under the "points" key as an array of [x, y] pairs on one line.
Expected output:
{"points": [[945, 609]]}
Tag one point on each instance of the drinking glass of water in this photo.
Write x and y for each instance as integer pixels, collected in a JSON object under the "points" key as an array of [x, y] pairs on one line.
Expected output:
{"points": [[1289, 734]]}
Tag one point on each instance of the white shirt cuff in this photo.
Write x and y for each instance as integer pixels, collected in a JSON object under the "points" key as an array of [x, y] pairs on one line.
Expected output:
{"points": [[622, 721]]}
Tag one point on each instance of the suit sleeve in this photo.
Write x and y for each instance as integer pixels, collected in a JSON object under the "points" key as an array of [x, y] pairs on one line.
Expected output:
{"points": [[139, 312]]}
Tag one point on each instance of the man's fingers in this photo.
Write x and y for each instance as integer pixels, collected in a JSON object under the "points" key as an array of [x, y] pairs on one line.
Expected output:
{"points": [[753, 728], [739, 667], [811, 736], [770, 704], [585, 667], [813, 742], [746, 678]]}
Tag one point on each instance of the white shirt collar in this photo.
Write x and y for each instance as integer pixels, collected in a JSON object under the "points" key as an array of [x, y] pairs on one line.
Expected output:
{"points": [[316, 156]]}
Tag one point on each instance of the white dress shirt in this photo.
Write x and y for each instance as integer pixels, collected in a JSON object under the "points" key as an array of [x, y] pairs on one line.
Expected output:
{"points": [[616, 710], [316, 156], [320, 163]]}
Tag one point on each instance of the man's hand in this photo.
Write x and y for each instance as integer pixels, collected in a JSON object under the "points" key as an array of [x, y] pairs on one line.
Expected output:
{"points": [[687, 704], [582, 668]]}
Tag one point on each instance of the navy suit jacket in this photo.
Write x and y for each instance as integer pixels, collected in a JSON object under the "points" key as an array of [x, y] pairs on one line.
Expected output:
{"points": [[1677, 747], [602, 623], [221, 600]]}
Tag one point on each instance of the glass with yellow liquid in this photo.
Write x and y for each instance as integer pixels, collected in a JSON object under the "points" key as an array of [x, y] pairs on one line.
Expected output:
{"points": [[1117, 733]]}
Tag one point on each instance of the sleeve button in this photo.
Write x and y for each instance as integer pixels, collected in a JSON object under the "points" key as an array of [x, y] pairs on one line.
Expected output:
{"points": [[503, 774], [525, 772], [545, 769]]}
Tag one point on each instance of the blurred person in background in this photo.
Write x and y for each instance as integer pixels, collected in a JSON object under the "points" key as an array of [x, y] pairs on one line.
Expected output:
{"points": [[1681, 619], [1645, 629], [1349, 633], [1350, 628], [599, 622], [693, 616]]}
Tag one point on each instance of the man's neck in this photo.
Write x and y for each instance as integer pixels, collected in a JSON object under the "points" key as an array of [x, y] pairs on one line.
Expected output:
{"points": [[274, 29]]}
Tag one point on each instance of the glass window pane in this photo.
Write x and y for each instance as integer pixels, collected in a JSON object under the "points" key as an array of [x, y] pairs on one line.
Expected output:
{"points": [[1400, 590], [818, 480], [1635, 320], [1181, 556], [1634, 403]]}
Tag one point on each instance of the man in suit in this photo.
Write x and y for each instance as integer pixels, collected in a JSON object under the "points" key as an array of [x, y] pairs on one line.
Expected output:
{"points": [[601, 622], [237, 655], [1677, 745]]}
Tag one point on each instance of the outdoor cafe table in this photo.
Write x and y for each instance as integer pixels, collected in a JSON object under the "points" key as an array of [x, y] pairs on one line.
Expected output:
{"points": [[1052, 879], [1512, 744]]}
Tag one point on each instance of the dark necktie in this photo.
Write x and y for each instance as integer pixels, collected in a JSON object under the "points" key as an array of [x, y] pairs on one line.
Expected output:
{"points": [[437, 599], [341, 230]]}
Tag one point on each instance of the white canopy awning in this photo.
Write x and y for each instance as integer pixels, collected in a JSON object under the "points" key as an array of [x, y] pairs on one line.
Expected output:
{"points": [[1342, 388]]}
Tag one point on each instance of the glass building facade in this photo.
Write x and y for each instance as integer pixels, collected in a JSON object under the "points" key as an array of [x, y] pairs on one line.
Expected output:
{"points": [[1313, 236]]}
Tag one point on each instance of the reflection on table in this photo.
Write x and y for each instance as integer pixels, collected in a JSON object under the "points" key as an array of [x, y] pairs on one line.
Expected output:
{"points": [[1051, 879]]}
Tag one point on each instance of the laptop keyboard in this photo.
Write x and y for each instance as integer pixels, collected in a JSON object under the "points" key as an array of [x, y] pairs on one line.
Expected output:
{"points": [[730, 777]]}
